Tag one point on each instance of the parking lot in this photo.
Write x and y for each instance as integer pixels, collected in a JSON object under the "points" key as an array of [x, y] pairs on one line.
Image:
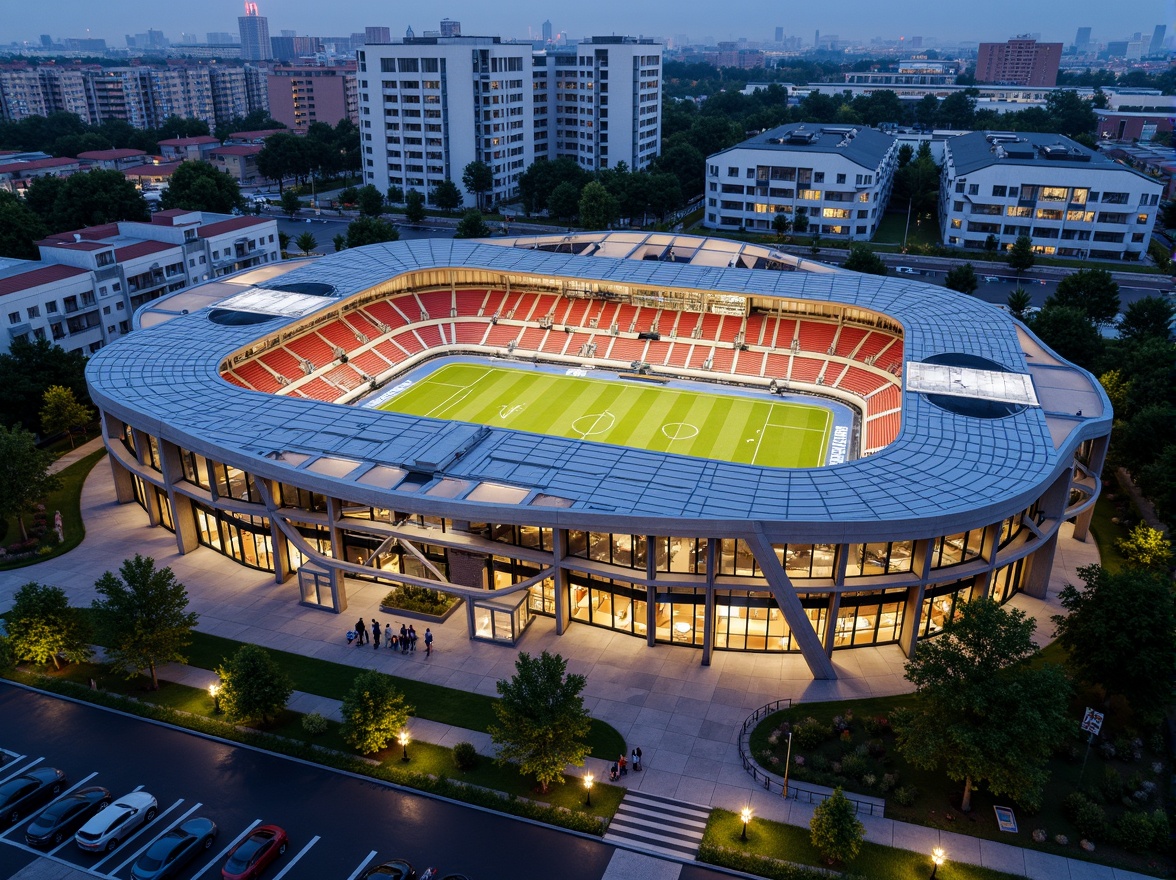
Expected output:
{"points": [[339, 825]]}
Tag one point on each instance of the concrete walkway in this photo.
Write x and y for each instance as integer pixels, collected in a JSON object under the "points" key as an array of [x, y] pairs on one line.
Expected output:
{"points": [[684, 716], [75, 455]]}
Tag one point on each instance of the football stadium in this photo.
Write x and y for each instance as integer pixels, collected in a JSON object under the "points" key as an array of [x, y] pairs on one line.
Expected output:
{"points": [[685, 440]]}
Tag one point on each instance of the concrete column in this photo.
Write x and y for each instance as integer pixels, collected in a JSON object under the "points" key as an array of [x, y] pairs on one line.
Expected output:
{"points": [[563, 611], [338, 584], [1098, 458], [143, 453], [124, 492], [708, 608], [183, 513], [831, 623], [1038, 566]]}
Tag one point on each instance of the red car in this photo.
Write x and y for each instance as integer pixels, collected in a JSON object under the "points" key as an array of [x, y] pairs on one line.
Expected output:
{"points": [[253, 855]]}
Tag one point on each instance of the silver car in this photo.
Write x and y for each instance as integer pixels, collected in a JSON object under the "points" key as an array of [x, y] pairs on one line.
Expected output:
{"points": [[117, 822]]}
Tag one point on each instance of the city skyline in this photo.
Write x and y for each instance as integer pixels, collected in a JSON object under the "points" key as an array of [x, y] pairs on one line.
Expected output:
{"points": [[755, 20]]}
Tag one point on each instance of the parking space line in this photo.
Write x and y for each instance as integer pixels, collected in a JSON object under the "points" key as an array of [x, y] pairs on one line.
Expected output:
{"points": [[44, 855], [23, 769], [16, 825], [152, 839], [232, 843], [362, 865], [294, 861], [159, 816]]}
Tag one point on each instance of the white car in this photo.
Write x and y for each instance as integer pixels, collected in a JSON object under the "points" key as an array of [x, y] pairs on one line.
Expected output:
{"points": [[907, 270], [117, 822]]}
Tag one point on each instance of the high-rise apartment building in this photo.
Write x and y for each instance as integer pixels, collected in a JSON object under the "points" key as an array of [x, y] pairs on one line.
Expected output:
{"points": [[21, 95], [431, 105], [450, 28], [230, 99], [300, 95], [255, 38], [1156, 46], [547, 31], [1082, 41], [1022, 61], [377, 35]]}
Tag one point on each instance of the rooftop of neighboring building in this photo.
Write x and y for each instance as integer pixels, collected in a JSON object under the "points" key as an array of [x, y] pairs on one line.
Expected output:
{"points": [[231, 224], [164, 169], [238, 150], [982, 149], [861, 145], [36, 275], [255, 135], [190, 141], [36, 165], [107, 155], [142, 249]]}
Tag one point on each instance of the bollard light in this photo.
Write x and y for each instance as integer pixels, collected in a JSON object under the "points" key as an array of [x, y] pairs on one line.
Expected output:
{"points": [[937, 858], [214, 692], [745, 815], [404, 744], [588, 788]]}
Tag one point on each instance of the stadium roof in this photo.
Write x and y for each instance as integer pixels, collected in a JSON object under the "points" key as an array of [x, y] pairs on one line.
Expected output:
{"points": [[945, 471]]}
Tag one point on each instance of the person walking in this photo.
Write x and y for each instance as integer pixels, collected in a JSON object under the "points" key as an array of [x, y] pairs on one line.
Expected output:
{"points": [[361, 635], [428, 643], [637, 760], [412, 639], [403, 639], [375, 635], [387, 634], [623, 764]]}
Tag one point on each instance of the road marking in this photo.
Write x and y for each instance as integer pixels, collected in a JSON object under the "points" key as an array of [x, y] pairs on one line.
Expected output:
{"points": [[51, 857], [23, 769], [362, 865], [294, 861], [16, 825], [134, 856], [224, 852], [141, 829]]}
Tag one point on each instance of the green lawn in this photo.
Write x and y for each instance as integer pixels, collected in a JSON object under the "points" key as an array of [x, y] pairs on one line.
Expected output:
{"points": [[894, 224], [717, 426]]}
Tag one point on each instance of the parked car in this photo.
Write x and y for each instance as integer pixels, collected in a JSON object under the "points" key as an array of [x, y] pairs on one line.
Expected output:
{"points": [[255, 853], [173, 850], [115, 823], [63, 817], [908, 270], [22, 794], [397, 869]]}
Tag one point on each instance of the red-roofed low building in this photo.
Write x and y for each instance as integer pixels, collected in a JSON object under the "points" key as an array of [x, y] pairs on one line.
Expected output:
{"points": [[89, 282], [253, 137], [16, 176], [112, 160], [178, 149], [239, 161], [152, 175]]}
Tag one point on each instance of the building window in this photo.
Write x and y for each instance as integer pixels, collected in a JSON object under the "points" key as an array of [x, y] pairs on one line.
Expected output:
{"points": [[34, 312], [14, 317]]}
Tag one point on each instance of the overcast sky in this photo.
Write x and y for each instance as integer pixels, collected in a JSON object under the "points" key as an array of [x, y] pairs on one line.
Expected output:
{"points": [[754, 19]]}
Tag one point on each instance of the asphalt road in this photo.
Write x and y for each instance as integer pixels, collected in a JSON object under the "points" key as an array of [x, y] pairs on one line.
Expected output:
{"points": [[324, 229], [338, 824]]}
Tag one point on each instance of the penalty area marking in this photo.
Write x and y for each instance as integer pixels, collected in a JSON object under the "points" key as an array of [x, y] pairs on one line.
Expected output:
{"points": [[594, 423], [679, 431]]}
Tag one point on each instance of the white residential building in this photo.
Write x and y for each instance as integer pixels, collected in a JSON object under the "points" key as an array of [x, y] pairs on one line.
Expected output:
{"points": [[1070, 201], [88, 283], [840, 176], [428, 106]]}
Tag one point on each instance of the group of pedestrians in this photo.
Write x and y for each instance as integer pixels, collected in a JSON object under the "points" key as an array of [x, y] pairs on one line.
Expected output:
{"points": [[620, 766], [405, 641]]}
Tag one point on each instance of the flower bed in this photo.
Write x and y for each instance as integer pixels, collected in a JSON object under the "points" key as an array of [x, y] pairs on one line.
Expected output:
{"points": [[422, 603]]}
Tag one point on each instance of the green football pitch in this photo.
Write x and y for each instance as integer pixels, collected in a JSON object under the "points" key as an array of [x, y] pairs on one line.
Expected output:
{"points": [[625, 413]]}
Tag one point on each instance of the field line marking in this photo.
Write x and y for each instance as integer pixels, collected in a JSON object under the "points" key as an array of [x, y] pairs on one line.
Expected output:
{"points": [[455, 398], [763, 430]]}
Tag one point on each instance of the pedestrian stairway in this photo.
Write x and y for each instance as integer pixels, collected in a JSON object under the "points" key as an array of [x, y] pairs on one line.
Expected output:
{"points": [[658, 824]]}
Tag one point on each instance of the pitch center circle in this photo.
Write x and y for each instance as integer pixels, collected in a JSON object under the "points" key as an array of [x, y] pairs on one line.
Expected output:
{"points": [[679, 430], [594, 423]]}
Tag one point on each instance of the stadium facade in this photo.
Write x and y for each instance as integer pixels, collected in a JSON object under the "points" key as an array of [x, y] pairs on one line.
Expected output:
{"points": [[225, 416]]}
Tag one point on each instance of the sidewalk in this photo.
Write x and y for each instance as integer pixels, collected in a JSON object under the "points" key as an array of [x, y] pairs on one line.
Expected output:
{"points": [[684, 716], [75, 455]]}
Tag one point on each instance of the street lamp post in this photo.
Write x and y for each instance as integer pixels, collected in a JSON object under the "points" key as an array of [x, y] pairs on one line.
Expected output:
{"points": [[588, 788], [214, 692], [404, 744], [745, 815], [787, 764], [937, 858]]}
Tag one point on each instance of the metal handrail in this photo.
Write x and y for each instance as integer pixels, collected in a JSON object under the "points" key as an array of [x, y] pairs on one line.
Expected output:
{"points": [[770, 780]]}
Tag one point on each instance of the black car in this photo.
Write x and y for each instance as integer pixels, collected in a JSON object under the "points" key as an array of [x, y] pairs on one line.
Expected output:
{"points": [[175, 849], [397, 869], [23, 794], [62, 818]]}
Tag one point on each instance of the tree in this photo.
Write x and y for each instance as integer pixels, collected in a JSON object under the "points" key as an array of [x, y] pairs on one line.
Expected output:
{"points": [[30, 368], [472, 225], [446, 196], [983, 712], [1158, 481], [283, 241], [42, 627], [1146, 547], [282, 156], [340, 241], [61, 412], [306, 242], [1021, 255], [374, 712], [800, 223], [369, 230], [1148, 317], [1168, 215], [1093, 291], [1111, 645], [564, 201], [253, 686], [143, 612], [370, 201], [598, 207], [24, 475], [1069, 333], [414, 206], [20, 229], [835, 830], [1142, 439], [1018, 301], [92, 198], [781, 224], [198, 186], [990, 243], [541, 720], [477, 178], [290, 203], [349, 195], [962, 278], [395, 194], [862, 259], [1070, 114]]}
